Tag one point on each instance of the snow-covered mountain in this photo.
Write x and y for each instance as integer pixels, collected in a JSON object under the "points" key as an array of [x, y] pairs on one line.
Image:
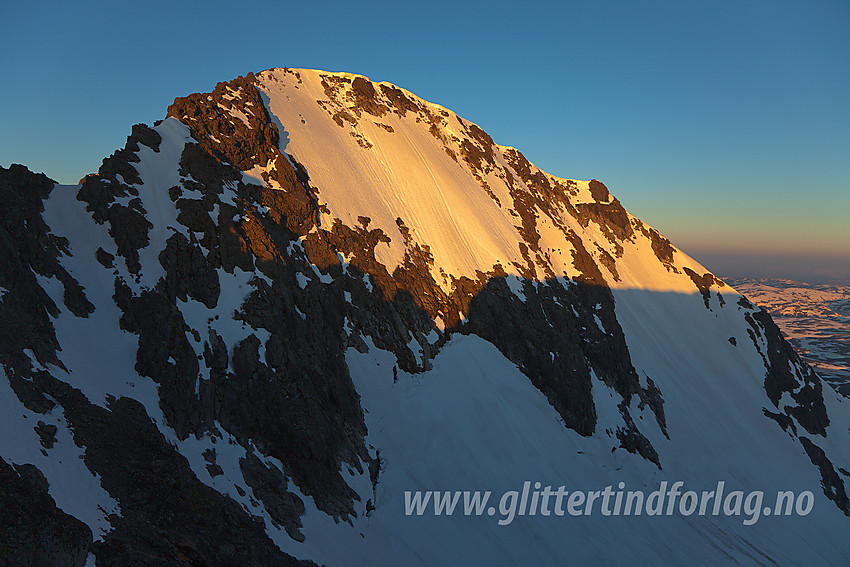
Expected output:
{"points": [[301, 296]]}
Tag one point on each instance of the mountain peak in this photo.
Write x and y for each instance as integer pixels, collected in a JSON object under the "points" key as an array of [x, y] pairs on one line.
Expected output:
{"points": [[474, 205], [304, 294]]}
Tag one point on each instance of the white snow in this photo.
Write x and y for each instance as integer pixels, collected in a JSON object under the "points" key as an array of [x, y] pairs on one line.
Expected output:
{"points": [[515, 285], [236, 113], [599, 322], [98, 354], [76, 490], [324, 278], [159, 172], [407, 174], [475, 422]]}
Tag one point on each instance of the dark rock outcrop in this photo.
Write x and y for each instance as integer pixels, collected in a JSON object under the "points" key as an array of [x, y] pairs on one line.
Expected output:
{"points": [[833, 484], [166, 513], [33, 531], [28, 249], [786, 373]]}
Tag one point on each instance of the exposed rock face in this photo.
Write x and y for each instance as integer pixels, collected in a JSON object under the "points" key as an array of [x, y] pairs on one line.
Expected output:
{"points": [[159, 495], [784, 373], [242, 143], [115, 180], [166, 512], [27, 251], [242, 292], [298, 403], [33, 532], [538, 334], [833, 484], [269, 485], [704, 283]]}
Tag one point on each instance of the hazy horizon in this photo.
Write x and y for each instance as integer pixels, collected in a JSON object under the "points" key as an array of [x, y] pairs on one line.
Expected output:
{"points": [[828, 269]]}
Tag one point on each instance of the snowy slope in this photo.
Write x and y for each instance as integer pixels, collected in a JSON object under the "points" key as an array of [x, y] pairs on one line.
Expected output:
{"points": [[510, 435], [407, 172]]}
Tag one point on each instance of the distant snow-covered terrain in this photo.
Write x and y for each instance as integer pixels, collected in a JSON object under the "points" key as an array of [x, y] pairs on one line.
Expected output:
{"points": [[815, 319]]}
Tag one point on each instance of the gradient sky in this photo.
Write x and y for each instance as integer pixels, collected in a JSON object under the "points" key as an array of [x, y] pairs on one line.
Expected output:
{"points": [[726, 125]]}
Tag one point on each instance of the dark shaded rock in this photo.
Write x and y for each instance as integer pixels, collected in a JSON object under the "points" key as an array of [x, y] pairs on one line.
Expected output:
{"points": [[215, 354], [343, 116], [661, 246], [401, 104], [104, 258], [128, 224], [479, 157], [240, 144], [142, 134], [33, 531], [230, 243], [551, 196], [188, 273], [810, 411], [213, 468], [27, 248], [784, 421], [20, 376], [130, 228], [320, 251], [802, 384], [599, 191], [554, 339], [833, 484], [269, 486], [525, 171], [194, 214], [298, 406], [612, 219], [704, 283], [46, 434], [365, 97], [167, 514], [304, 410], [634, 441], [204, 172], [607, 260], [651, 396], [164, 352]]}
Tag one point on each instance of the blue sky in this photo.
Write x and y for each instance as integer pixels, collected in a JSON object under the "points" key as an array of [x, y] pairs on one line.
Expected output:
{"points": [[726, 125]]}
